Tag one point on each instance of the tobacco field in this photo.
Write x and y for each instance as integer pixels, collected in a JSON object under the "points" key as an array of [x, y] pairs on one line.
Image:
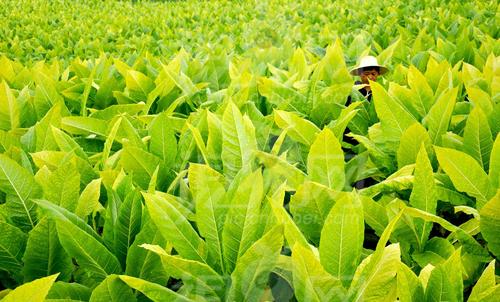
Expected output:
{"points": [[196, 151]]}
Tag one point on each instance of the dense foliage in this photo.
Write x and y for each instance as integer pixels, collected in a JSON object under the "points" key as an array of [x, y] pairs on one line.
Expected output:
{"points": [[195, 151]]}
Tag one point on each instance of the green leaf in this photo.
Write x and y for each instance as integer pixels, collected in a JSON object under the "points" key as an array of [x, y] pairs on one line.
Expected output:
{"points": [[62, 187], [44, 254], [424, 95], [375, 278], [339, 125], [163, 142], [112, 289], [209, 194], [12, 247], [311, 281], [251, 273], [88, 202], [342, 238], [423, 195], [410, 143], [198, 278], [140, 163], [242, 224], [444, 286], [89, 253], [394, 118], [214, 141], [59, 213], [18, 183], [66, 143], [138, 85], [310, 206], [238, 141], [480, 99], [299, 129], [80, 125], [175, 228], [494, 173], [374, 214], [325, 162], [438, 119], [409, 286], [128, 224], [376, 273], [9, 108], [486, 286], [490, 224], [142, 263], [153, 291], [292, 232], [478, 141], [280, 168], [466, 174], [70, 291], [34, 291]]}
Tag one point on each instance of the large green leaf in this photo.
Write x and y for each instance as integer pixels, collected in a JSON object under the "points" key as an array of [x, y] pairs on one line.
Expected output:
{"points": [[486, 288], [211, 208], [90, 254], [140, 163], [88, 202], [443, 285], [299, 129], [62, 187], [490, 224], [198, 278], [112, 289], [423, 195], [292, 232], [466, 174], [142, 263], [311, 281], [342, 238], [410, 144], [128, 225], [424, 96], [163, 142], [175, 228], [238, 140], [376, 274], [477, 137], [242, 224], [394, 118], [409, 286], [381, 272], [310, 206], [438, 119], [281, 169], [34, 291], [325, 162], [68, 291], [9, 108], [12, 247], [494, 172], [44, 254], [138, 85], [153, 291], [21, 187], [252, 269]]}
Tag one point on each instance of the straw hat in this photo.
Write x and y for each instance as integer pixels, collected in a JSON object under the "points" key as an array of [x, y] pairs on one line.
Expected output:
{"points": [[368, 61]]}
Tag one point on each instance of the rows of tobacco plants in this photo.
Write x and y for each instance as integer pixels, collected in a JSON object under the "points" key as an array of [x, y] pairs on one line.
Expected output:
{"points": [[132, 170], [31, 30]]}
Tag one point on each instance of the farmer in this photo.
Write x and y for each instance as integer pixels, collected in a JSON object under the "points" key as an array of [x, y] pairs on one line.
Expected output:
{"points": [[368, 69]]}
